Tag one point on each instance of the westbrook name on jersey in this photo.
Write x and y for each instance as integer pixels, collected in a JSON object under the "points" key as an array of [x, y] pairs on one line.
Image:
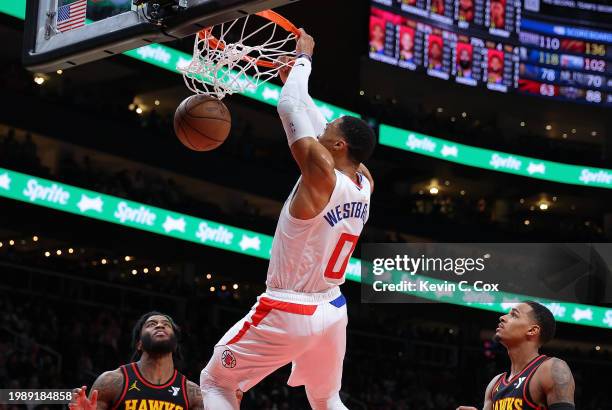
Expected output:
{"points": [[311, 255]]}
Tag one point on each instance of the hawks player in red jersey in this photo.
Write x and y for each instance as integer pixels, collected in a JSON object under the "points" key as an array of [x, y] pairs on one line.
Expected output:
{"points": [[535, 380]]}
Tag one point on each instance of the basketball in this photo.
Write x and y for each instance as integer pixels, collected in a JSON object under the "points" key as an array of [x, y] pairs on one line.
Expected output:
{"points": [[202, 123]]}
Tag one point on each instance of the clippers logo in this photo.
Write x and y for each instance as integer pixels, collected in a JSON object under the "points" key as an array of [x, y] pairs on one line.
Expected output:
{"points": [[86, 203], [228, 360]]}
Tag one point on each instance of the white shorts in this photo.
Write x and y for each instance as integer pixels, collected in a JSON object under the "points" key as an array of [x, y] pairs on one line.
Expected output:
{"points": [[275, 332]]}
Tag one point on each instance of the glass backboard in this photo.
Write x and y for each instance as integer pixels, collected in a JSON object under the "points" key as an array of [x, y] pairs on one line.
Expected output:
{"points": [[60, 34]]}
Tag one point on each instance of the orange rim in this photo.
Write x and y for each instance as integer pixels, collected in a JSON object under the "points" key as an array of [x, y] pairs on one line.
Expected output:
{"points": [[267, 14]]}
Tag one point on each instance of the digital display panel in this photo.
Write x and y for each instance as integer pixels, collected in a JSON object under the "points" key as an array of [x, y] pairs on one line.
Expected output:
{"points": [[532, 47]]}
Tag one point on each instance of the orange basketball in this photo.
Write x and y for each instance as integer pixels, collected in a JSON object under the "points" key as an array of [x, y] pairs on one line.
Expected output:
{"points": [[202, 123]]}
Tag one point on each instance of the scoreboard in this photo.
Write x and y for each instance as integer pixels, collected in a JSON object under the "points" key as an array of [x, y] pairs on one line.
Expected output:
{"points": [[527, 46]]}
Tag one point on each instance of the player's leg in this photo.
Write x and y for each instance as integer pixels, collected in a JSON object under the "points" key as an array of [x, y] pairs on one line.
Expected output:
{"points": [[319, 368], [270, 336]]}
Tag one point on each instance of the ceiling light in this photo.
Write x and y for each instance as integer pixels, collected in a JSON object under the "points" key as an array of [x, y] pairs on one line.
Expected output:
{"points": [[39, 79]]}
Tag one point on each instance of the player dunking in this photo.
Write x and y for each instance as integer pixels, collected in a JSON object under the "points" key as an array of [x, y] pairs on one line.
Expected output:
{"points": [[150, 383], [301, 318], [535, 381]]}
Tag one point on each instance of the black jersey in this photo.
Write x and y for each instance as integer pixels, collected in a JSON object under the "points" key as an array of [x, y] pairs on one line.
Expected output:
{"points": [[514, 394], [139, 394]]}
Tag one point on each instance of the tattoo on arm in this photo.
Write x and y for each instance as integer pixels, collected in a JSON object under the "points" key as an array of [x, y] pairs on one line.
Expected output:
{"points": [[109, 386], [562, 386], [194, 395]]}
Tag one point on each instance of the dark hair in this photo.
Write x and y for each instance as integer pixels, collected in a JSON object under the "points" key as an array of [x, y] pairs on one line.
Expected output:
{"points": [[545, 319], [137, 330], [359, 137]]}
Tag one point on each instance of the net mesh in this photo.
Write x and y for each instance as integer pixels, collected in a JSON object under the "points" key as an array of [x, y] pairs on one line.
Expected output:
{"points": [[237, 56]]}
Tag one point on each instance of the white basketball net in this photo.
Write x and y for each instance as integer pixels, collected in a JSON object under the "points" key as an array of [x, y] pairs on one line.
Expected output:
{"points": [[224, 62]]}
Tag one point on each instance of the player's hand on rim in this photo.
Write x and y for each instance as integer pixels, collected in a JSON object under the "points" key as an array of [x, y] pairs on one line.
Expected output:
{"points": [[81, 402], [305, 44]]}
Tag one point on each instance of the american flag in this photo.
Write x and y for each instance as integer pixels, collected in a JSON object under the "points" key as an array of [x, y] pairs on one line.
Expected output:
{"points": [[71, 16]]}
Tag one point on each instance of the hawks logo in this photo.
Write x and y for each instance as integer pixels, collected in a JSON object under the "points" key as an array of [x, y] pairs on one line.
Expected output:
{"points": [[228, 360]]}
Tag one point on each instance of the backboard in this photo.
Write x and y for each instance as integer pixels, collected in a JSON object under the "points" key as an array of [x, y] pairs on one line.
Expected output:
{"points": [[60, 34]]}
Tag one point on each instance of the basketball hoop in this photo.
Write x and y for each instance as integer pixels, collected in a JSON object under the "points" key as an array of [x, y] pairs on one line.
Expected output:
{"points": [[240, 55]]}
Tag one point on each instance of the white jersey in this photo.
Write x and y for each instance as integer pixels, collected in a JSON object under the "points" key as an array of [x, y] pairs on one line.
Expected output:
{"points": [[310, 256]]}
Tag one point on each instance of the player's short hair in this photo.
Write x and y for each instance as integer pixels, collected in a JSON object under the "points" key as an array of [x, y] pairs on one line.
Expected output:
{"points": [[137, 330], [359, 137], [543, 318]]}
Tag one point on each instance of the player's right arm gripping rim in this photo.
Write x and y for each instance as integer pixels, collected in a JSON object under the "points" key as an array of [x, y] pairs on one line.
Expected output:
{"points": [[314, 160], [296, 100], [104, 392]]}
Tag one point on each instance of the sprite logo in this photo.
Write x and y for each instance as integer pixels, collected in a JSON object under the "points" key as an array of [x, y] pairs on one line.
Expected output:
{"points": [[141, 215], [219, 235], [509, 162], [54, 193]]}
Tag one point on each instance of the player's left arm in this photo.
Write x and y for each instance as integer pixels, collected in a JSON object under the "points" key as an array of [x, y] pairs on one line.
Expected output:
{"points": [[558, 385], [194, 395]]}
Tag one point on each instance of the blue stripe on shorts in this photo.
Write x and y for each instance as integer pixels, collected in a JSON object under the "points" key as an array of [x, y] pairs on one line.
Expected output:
{"points": [[339, 301]]}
